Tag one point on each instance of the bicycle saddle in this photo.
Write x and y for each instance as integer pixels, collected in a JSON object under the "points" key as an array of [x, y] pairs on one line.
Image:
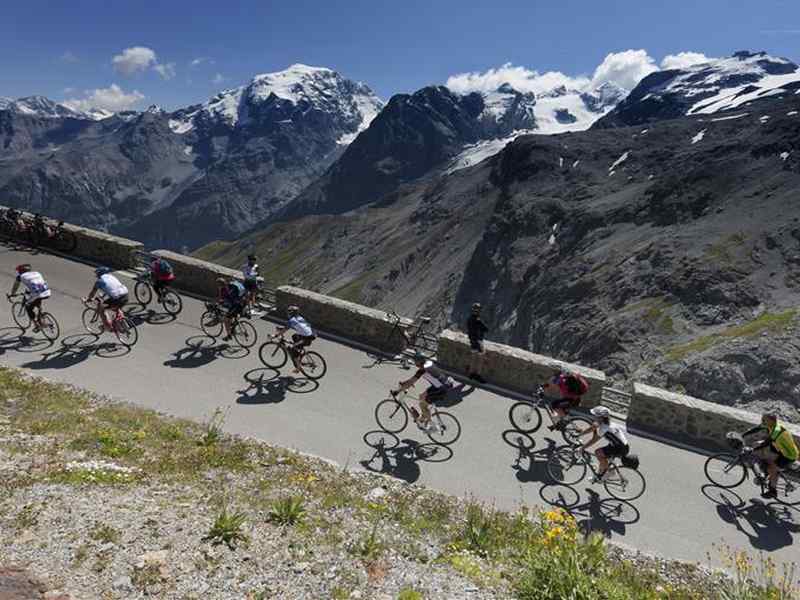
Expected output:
{"points": [[425, 320]]}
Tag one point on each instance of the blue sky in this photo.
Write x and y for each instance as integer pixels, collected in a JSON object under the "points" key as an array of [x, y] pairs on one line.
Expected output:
{"points": [[65, 50]]}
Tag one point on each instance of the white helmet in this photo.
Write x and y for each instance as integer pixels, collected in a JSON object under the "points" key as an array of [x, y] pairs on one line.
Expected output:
{"points": [[601, 411]]}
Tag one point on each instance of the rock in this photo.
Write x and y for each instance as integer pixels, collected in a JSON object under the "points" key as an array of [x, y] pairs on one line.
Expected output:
{"points": [[376, 493], [122, 583], [156, 557]]}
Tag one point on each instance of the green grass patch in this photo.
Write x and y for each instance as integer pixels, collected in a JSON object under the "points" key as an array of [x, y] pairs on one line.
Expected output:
{"points": [[723, 250]]}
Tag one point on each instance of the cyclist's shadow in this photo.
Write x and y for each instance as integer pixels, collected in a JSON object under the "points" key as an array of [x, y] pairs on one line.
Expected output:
{"points": [[606, 516], [530, 464], [13, 338], [144, 314], [400, 458], [75, 349], [267, 386], [201, 350]]}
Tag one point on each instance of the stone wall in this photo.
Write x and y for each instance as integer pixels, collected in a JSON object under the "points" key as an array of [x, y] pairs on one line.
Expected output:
{"points": [[195, 275], [353, 321], [686, 419], [513, 368]]}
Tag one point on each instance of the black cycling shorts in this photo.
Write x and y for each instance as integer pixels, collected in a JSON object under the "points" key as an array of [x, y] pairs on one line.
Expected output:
{"points": [[234, 310], [31, 306], [783, 462], [251, 285], [476, 345], [565, 404], [116, 302], [302, 341], [435, 394], [615, 450]]}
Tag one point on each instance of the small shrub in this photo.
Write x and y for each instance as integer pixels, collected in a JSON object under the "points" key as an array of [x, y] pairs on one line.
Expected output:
{"points": [[212, 431], [408, 593], [105, 534], [27, 517], [758, 579], [288, 511], [227, 529], [369, 548]]}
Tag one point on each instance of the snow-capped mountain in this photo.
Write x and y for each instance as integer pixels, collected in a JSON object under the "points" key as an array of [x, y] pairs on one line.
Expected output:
{"points": [[284, 97], [717, 85], [39, 106]]}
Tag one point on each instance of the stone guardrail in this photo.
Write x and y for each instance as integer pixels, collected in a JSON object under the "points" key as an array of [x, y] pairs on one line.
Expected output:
{"points": [[688, 420], [356, 322], [196, 276], [513, 368]]}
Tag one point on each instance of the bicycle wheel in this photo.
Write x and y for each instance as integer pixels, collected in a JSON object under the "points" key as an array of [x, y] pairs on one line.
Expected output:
{"points": [[172, 303], [65, 241], [143, 292], [245, 334], [126, 332], [391, 416], [525, 417], [20, 315], [725, 470], [92, 321], [565, 466], [273, 355], [789, 489], [211, 323], [49, 326], [444, 429], [312, 365], [624, 483], [572, 427]]}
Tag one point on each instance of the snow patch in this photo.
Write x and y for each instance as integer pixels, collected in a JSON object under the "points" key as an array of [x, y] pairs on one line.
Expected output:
{"points": [[181, 127], [769, 85], [791, 113], [560, 162], [764, 119], [731, 118], [576, 163], [785, 155], [475, 153], [187, 150], [619, 161], [699, 137]]}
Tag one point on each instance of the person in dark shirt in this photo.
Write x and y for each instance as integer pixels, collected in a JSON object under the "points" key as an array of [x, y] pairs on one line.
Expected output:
{"points": [[476, 330]]}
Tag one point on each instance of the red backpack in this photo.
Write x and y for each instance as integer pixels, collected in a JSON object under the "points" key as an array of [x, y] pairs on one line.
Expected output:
{"points": [[576, 384]]}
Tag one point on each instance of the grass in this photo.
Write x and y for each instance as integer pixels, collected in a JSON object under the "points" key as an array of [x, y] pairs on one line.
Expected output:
{"points": [[408, 593], [288, 511], [105, 534], [721, 251], [768, 322], [654, 314], [227, 529], [352, 290]]}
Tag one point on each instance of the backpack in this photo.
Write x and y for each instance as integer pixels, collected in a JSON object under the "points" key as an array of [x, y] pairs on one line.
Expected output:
{"points": [[164, 267], [576, 384], [237, 289]]}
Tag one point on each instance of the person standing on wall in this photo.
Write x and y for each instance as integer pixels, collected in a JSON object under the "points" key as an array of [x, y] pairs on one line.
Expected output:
{"points": [[476, 330]]}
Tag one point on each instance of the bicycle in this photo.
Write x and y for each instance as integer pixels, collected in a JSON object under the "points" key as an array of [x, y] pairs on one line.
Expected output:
{"points": [[168, 298], [391, 415], [728, 470], [211, 322], [411, 334], [526, 417], [275, 352], [122, 327], [41, 233], [48, 325], [622, 480]]}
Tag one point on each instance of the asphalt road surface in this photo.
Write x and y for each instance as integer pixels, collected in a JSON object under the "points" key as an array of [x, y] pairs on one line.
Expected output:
{"points": [[175, 369]]}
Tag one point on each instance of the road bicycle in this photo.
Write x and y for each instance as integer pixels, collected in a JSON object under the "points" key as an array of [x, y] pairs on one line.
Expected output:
{"points": [[730, 469], [47, 323], [41, 233], [275, 352], [168, 298], [212, 324], [526, 416], [413, 336], [392, 413], [569, 464], [119, 323]]}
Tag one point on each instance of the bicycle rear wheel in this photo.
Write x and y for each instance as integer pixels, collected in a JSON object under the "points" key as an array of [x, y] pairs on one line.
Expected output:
{"points": [[126, 332], [725, 470], [143, 292], [92, 321], [525, 417], [444, 429], [565, 466], [312, 365], [172, 303], [211, 323], [245, 334], [572, 427], [49, 326], [20, 315], [273, 355], [789, 489], [624, 483], [391, 416]]}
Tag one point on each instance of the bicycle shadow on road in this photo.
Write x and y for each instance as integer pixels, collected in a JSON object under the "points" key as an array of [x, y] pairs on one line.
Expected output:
{"points": [[772, 524], [75, 349], [201, 350], [525, 445], [142, 314], [607, 516], [401, 458], [456, 395], [268, 386], [15, 339]]}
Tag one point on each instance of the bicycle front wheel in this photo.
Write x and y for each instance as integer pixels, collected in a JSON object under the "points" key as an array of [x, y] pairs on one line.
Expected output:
{"points": [[92, 321], [312, 365], [444, 429], [126, 332], [245, 334], [565, 466], [573, 427], [725, 470], [143, 292], [525, 417], [172, 303], [20, 315], [211, 324], [789, 489], [391, 416], [49, 326], [272, 354], [624, 483]]}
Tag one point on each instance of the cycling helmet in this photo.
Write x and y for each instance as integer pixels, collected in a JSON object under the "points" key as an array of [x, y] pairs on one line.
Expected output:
{"points": [[221, 280], [476, 307], [23, 268], [419, 357], [251, 257], [292, 310], [100, 271], [601, 411]]}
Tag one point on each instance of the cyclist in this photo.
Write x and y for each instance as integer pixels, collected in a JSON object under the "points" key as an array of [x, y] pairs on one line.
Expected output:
{"points": [[476, 329], [302, 337], [569, 387], [250, 274], [232, 297], [161, 275], [779, 450], [613, 433], [36, 290], [115, 293], [438, 384]]}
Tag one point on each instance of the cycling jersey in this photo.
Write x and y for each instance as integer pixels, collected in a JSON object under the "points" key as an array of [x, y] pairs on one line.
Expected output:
{"points": [[233, 293], [430, 374], [301, 326], [162, 270], [250, 271], [783, 442], [35, 285], [613, 433], [111, 286]]}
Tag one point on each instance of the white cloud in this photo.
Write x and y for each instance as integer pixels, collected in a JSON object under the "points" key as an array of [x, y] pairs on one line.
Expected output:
{"points": [[681, 60], [68, 57], [624, 69], [133, 60], [218, 78], [167, 71], [200, 60], [112, 98], [520, 78]]}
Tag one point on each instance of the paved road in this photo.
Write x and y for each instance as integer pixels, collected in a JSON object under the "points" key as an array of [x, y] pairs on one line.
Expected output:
{"points": [[176, 370]]}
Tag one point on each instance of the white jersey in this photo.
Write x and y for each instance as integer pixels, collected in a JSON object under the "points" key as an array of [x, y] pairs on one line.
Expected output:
{"points": [[429, 374], [301, 326], [250, 272], [613, 433], [111, 286], [35, 285]]}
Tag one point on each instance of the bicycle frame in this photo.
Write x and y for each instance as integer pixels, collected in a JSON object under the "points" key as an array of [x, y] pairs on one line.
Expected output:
{"points": [[401, 398]]}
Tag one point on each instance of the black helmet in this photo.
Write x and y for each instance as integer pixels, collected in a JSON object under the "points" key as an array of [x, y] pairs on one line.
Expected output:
{"points": [[292, 310], [100, 271], [251, 257], [419, 357], [476, 307]]}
